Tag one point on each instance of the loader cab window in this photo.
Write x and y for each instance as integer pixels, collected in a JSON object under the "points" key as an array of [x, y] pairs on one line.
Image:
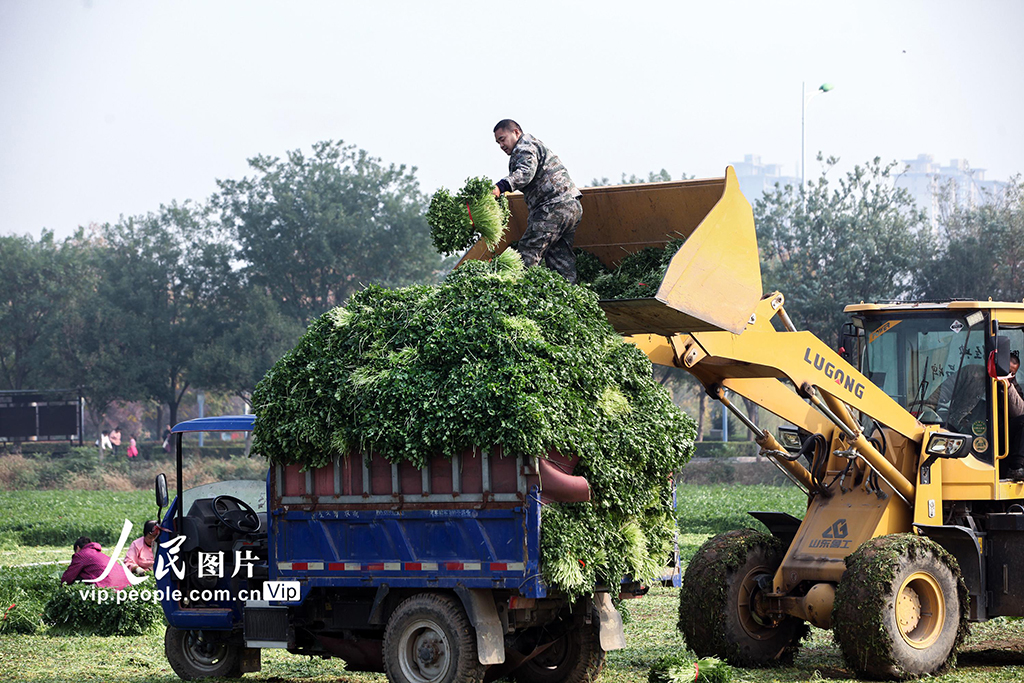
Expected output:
{"points": [[932, 366]]}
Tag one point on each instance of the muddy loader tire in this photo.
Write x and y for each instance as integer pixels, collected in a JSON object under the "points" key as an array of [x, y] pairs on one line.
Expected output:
{"points": [[429, 639], [198, 654], [901, 608], [715, 614]]}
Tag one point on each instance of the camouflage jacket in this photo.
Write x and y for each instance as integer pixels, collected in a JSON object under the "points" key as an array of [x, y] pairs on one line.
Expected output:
{"points": [[538, 174]]}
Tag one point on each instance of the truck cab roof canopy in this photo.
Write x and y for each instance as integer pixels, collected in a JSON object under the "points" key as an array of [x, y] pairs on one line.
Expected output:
{"points": [[225, 423]]}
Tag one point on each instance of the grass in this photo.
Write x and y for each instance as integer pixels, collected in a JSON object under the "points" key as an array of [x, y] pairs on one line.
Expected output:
{"points": [[57, 518], [45, 659], [717, 508], [13, 554], [80, 470], [995, 650], [706, 510]]}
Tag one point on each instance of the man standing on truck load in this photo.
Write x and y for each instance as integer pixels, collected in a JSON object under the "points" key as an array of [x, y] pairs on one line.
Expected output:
{"points": [[551, 198]]}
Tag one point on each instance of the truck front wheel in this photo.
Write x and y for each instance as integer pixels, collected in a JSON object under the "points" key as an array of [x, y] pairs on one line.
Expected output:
{"points": [[429, 639], [200, 654]]}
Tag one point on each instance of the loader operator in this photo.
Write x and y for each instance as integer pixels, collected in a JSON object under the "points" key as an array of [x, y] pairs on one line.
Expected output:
{"points": [[1015, 406], [551, 198]]}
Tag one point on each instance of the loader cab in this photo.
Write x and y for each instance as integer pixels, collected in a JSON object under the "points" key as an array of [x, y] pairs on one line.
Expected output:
{"points": [[933, 361]]}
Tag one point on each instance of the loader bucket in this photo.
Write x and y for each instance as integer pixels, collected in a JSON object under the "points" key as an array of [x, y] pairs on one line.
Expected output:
{"points": [[714, 280]]}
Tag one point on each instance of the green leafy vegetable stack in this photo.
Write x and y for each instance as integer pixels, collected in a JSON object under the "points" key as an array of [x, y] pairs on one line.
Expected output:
{"points": [[502, 355], [66, 612], [456, 222], [637, 276]]}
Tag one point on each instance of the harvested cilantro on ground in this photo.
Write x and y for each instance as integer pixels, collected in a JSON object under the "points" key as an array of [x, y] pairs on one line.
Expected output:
{"points": [[458, 221], [66, 612], [502, 355], [679, 669], [637, 276]]}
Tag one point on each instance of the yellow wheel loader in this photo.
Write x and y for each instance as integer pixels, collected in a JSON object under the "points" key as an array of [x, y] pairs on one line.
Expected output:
{"points": [[911, 529]]}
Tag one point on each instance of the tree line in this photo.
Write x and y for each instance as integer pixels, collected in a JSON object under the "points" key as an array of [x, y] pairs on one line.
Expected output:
{"points": [[860, 238], [210, 294]]}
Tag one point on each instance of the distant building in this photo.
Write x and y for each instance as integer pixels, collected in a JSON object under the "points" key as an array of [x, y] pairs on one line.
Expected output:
{"points": [[757, 178], [928, 182]]}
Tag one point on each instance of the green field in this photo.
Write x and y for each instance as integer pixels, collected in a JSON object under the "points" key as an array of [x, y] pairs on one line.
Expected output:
{"points": [[57, 518], [995, 651]]}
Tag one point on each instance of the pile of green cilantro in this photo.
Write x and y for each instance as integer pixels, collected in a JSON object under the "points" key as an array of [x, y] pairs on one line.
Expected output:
{"points": [[637, 276], [495, 355]]}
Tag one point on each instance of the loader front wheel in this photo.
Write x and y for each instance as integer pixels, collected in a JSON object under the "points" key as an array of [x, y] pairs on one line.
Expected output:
{"points": [[901, 608], [717, 603]]}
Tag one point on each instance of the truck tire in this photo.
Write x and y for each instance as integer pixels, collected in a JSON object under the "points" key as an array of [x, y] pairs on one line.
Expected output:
{"points": [[715, 614], [199, 654], [575, 657], [901, 608], [429, 639]]}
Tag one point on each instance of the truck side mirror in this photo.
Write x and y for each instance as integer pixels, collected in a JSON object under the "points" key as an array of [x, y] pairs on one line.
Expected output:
{"points": [[161, 490]]}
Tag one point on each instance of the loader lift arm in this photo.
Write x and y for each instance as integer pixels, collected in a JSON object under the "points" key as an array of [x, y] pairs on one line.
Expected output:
{"points": [[757, 363]]}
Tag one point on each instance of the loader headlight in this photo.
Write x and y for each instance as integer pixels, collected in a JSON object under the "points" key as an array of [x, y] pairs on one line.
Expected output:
{"points": [[947, 445], [789, 438]]}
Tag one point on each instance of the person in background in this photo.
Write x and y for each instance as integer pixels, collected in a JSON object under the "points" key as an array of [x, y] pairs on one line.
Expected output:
{"points": [[104, 441], [89, 561], [115, 439], [167, 439], [133, 448], [139, 558]]}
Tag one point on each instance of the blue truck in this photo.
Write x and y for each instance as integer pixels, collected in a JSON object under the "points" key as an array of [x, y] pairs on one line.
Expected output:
{"points": [[430, 575]]}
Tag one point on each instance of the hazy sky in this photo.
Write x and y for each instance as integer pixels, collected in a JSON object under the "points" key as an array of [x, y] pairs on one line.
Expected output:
{"points": [[111, 108]]}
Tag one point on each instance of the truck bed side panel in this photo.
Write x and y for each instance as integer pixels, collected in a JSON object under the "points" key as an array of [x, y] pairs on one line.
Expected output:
{"points": [[472, 521]]}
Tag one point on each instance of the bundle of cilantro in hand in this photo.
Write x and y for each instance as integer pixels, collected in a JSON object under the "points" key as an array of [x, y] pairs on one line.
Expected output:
{"points": [[458, 221], [497, 354]]}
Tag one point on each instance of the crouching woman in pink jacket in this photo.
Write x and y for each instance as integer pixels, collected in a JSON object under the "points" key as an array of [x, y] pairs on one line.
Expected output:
{"points": [[89, 561]]}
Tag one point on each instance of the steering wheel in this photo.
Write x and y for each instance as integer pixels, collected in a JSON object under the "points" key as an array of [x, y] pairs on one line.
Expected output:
{"points": [[236, 514]]}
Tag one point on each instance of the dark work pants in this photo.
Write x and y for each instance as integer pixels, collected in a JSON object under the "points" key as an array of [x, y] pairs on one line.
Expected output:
{"points": [[1015, 406], [549, 234], [1015, 457]]}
